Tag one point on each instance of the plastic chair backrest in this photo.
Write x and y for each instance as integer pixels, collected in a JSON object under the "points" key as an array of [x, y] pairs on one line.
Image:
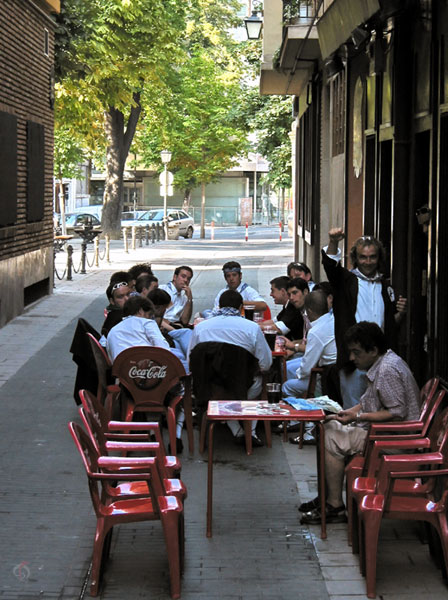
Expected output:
{"points": [[94, 406], [148, 373], [103, 365]]}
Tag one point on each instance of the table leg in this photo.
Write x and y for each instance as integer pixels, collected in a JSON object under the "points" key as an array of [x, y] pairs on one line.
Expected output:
{"points": [[210, 480], [320, 451]]}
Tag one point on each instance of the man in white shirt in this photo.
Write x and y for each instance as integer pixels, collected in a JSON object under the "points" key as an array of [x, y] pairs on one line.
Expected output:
{"points": [[138, 328], [320, 347], [233, 276], [320, 350], [180, 292], [230, 327]]}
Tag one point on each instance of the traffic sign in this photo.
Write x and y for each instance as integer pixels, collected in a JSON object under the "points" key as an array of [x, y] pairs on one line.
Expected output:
{"points": [[169, 178]]}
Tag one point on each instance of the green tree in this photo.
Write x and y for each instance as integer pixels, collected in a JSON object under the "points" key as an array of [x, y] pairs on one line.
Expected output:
{"points": [[109, 53]]}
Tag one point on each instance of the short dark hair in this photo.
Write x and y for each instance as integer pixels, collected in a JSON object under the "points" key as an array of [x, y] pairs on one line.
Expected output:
{"points": [[159, 297], [299, 266], [137, 270], [368, 335], [135, 303], [324, 286], [280, 282], [230, 299], [317, 302], [144, 281], [177, 270], [369, 240], [232, 264], [299, 283]]}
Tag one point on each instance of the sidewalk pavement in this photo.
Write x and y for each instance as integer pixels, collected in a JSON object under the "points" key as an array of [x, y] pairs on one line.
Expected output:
{"points": [[258, 551]]}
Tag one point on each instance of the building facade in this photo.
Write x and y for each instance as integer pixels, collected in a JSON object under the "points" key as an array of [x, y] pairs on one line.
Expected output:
{"points": [[370, 142], [26, 153]]}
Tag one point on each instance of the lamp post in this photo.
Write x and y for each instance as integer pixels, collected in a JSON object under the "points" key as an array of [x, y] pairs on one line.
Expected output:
{"points": [[253, 26], [165, 155]]}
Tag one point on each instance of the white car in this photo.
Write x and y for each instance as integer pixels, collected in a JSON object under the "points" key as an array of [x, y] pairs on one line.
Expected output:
{"points": [[131, 215], [176, 217]]}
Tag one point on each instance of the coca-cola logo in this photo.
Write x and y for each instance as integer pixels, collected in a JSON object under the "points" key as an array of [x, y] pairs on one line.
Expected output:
{"points": [[147, 374]]}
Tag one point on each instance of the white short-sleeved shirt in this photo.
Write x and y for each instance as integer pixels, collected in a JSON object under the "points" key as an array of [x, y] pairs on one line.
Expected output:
{"points": [[234, 330], [248, 293], [134, 331], [179, 300]]}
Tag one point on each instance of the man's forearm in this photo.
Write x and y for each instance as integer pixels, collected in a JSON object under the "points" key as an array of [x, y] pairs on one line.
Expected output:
{"points": [[187, 312], [378, 416]]}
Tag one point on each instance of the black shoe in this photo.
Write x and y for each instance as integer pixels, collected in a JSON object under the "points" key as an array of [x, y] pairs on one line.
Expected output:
{"points": [[289, 428], [332, 515], [240, 440], [310, 505], [179, 446], [306, 442]]}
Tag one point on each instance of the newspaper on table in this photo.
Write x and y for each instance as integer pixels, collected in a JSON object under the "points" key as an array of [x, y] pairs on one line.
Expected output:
{"points": [[323, 402]]}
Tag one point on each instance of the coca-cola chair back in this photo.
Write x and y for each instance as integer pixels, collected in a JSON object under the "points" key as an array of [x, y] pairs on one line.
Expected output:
{"points": [[148, 373]]}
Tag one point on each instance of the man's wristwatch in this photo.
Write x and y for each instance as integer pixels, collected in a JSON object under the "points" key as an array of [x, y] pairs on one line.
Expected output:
{"points": [[296, 347]]}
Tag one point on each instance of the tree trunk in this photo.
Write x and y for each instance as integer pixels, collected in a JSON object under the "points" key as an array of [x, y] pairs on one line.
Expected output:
{"points": [[119, 143], [187, 200], [202, 211]]}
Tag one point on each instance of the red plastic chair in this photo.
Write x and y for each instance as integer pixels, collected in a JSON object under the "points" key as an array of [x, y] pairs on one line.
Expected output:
{"points": [[396, 430], [111, 511], [367, 485], [107, 394], [149, 374], [385, 503]]}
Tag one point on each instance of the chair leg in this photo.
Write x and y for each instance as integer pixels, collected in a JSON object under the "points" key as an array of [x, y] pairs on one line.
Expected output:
{"points": [[97, 559], [171, 422], [170, 522], [350, 476], [301, 434], [371, 526]]}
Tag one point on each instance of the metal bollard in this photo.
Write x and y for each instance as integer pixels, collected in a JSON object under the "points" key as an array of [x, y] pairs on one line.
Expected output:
{"points": [[133, 229], [83, 257], [153, 234], [69, 262], [158, 232], [125, 237], [96, 244], [107, 248], [147, 235], [140, 237]]}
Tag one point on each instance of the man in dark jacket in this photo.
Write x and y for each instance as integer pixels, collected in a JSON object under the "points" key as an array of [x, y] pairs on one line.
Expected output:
{"points": [[362, 294]]}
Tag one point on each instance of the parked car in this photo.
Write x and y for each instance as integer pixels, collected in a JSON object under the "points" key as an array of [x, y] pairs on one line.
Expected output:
{"points": [[176, 217], [75, 220], [131, 215]]}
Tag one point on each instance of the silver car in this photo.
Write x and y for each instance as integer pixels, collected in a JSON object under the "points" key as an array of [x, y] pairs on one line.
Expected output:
{"points": [[176, 217]]}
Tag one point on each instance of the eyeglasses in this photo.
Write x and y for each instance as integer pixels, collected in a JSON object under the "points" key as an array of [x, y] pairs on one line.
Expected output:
{"points": [[117, 286]]}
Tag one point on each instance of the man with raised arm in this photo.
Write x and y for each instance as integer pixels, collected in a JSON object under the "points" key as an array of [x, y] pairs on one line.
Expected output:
{"points": [[361, 294]]}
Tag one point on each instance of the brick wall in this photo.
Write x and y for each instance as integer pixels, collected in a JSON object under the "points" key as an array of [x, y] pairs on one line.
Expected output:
{"points": [[24, 92]]}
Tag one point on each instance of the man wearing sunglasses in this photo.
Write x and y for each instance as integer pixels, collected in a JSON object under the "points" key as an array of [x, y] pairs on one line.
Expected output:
{"points": [[360, 294]]}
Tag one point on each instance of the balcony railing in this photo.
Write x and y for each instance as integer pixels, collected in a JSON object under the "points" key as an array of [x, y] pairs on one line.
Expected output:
{"points": [[303, 11]]}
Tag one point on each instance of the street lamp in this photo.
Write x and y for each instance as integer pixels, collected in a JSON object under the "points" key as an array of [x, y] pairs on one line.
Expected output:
{"points": [[165, 155], [253, 26]]}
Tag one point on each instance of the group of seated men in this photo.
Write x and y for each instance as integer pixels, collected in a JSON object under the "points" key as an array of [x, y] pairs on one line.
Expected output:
{"points": [[350, 321]]}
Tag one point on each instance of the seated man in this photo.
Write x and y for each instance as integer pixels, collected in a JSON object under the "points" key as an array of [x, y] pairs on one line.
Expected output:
{"points": [[320, 350], [392, 394], [180, 292], [295, 269], [233, 276], [117, 293], [146, 283], [228, 326], [289, 321], [138, 328]]}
